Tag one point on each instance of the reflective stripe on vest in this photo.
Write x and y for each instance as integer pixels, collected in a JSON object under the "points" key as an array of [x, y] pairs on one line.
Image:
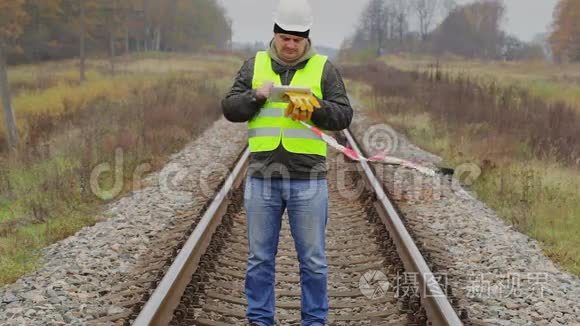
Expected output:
{"points": [[288, 133], [270, 128], [271, 112]]}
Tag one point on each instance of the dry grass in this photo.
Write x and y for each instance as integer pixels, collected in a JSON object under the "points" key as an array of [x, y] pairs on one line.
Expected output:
{"points": [[69, 129], [530, 170], [542, 79]]}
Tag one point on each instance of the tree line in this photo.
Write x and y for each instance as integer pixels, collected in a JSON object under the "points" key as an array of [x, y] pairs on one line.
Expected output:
{"points": [[386, 25], [565, 38], [472, 30], [37, 30]]}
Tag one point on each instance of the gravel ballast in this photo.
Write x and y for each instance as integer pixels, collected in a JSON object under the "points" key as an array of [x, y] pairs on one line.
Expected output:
{"points": [[86, 276], [499, 275]]}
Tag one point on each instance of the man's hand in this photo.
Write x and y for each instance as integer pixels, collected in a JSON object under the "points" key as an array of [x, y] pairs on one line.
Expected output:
{"points": [[263, 92], [301, 106]]}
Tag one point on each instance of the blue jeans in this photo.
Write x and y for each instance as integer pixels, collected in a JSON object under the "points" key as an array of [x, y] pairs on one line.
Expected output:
{"points": [[307, 202]]}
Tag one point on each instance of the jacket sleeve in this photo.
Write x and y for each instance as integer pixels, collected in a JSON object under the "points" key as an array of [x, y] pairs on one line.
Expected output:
{"points": [[238, 104], [335, 113]]}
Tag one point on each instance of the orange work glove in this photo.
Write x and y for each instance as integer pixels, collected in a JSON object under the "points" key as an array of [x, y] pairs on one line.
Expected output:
{"points": [[301, 106]]}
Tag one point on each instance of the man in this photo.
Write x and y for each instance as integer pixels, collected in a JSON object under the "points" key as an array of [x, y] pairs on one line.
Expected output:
{"points": [[288, 162]]}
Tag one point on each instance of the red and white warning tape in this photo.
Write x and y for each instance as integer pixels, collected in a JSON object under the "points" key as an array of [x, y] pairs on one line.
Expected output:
{"points": [[352, 154]]}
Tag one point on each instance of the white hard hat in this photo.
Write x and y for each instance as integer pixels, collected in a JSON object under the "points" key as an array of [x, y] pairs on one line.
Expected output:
{"points": [[294, 15]]}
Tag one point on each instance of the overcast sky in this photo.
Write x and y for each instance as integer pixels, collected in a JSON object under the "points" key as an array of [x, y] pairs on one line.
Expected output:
{"points": [[336, 19]]}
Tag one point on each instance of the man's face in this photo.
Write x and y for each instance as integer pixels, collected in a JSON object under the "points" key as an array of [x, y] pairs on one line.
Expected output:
{"points": [[289, 47]]}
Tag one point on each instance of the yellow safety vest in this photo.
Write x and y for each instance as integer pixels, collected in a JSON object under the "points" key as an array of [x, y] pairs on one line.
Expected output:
{"points": [[270, 127]]}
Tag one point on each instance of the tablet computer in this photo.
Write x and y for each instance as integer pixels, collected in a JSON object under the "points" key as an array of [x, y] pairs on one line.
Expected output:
{"points": [[277, 93]]}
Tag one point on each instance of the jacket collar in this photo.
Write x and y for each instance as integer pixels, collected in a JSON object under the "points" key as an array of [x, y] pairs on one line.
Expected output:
{"points": [[280, 66]]}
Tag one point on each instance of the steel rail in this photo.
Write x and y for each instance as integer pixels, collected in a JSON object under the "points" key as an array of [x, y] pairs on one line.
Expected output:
{"points": [[161, 305], [439, 310], [159, 309]]}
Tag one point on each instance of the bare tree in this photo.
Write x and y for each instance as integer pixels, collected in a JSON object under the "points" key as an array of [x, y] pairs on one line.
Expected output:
{"points": [[113, 35], [82, 40], [425, 10], [109, 12], [448, 6], [6, 102], [401, 10], [147, 31], [375, 23], [474, 30], [13, 18]]}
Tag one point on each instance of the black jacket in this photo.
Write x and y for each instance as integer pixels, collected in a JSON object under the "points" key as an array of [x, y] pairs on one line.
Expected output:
{"points": [[335, 114]]}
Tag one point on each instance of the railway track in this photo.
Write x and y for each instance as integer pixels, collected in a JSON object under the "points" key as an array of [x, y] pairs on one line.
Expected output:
{"points": [[370, 255]]}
